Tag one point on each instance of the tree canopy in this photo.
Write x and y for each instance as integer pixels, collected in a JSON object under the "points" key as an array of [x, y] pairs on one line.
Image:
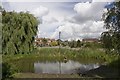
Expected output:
{"points": [[112, 23], [0, 30], [18, 32]]}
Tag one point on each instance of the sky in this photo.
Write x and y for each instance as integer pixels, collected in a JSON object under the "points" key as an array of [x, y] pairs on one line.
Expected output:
{"points": [[75, 19]]}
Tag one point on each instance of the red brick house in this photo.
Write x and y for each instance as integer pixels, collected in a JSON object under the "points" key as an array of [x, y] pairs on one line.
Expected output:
{"points": [[39, 41]]}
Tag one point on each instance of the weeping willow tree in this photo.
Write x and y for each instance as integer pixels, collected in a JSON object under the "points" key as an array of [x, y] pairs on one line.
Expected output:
{"points": [[18, 32], [0, 29]]}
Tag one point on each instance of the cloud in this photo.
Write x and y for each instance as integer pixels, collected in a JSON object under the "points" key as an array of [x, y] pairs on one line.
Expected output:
{"points": [[47, 29], [58, 0], [75, 20], [40, 11], [86, 23], [69, 30], [82, 8], [88, 11], [45, 0], [48, 19], [104, 0]]}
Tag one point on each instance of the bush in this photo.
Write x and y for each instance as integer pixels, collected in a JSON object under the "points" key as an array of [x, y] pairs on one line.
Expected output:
{"points": [[7, 71]]}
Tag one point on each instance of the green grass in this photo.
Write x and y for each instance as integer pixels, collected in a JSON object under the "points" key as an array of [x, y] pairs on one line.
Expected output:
{"points": [[33, 75], [83, 55], [54, 54], [75, 76]]}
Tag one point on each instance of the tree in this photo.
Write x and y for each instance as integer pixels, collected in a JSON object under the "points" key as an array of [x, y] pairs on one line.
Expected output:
{"points": [[65, 43], [44, 41], [59, 41], [73, 44], [54, 43], [107, 41], [0, 30], [112, 23], [18, 32], [78, 43], [1, 9]]}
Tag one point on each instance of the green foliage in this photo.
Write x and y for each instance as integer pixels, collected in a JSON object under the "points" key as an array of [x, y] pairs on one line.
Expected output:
{"points": [[0, 33], [59, 41], [86, 55], [75, 44], [54, 43], [7, 71], [18, 32], [116, 42], [44, 40], [112, 17], [112, 23], [65, 43], [107, 41], [78, 43]]}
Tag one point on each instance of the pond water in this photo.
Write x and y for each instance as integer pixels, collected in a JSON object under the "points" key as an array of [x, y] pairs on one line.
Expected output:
{"points": [[64, 68]]}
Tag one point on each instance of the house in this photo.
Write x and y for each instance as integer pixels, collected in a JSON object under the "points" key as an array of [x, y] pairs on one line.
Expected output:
{"points": [[38, 42], [44, 41], [49, 41]]}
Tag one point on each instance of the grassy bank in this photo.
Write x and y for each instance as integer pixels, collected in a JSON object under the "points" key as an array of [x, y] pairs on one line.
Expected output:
{"points": [[83, 55], [54, 54], [33, 75]]}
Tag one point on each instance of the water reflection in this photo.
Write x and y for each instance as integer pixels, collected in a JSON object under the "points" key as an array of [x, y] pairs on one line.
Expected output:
{"points": [[66, 68]]}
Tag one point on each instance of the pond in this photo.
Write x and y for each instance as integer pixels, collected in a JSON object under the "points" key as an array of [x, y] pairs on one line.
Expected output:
{"points": [[63, 68], [69, 67]]}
